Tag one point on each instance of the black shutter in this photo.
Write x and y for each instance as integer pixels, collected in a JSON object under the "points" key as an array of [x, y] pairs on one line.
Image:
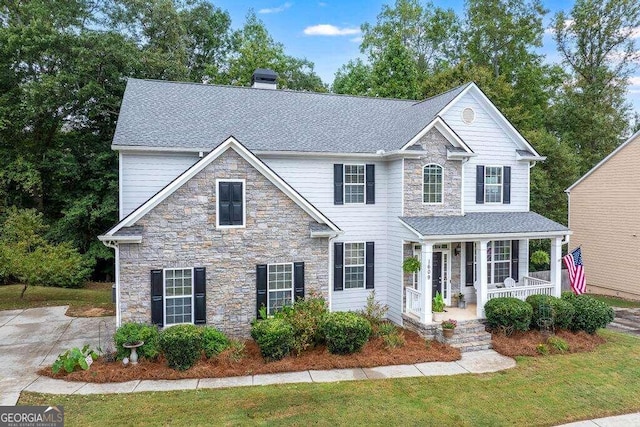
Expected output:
{"points": [[157, 305], [468, 263], [298, 281], [224, 203], [261, 288], [480, 184], [506, 185], [338, 260], [338, 184], [515, 254], [200, 292], [370, 179], [369, 264], [236, 204]]}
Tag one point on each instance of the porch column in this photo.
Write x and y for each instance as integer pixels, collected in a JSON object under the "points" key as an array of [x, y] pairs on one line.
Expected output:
{"points": [[426, 255], [481, 292], [556, 265]]}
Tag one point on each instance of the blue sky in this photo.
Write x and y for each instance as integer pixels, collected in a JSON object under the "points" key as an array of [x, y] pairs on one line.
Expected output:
{"points": [[328, 32]]}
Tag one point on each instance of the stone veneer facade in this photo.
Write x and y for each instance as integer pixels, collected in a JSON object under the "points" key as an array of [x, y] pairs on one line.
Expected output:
{"points": [[435, 144], [181, 232]]}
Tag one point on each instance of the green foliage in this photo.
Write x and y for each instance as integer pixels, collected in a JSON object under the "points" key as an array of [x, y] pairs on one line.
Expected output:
{"points": [[540, 259], [411, 265], [213, 341], [73, 358], [508, 313], [590, 314], [438, 303], [561, 312], [542, 349], [275, 337], [237, 350], [305, 317], [374, 311], [558, 344], [181, 345], [133, 332], [345, 332], [394, 340]]}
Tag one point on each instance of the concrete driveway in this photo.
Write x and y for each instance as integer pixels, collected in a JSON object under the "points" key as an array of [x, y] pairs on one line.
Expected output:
{"points": [[32, 338]]}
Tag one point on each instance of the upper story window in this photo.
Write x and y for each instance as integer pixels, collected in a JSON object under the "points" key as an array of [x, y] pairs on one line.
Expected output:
{"points": [[354, 183], [493, 184], [231, 202], [432, 184]]}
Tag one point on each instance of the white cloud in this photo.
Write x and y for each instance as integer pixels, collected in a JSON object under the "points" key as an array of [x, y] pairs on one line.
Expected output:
{"points": [[330, 30], [278, 9], [634, 81], [356, 39]]}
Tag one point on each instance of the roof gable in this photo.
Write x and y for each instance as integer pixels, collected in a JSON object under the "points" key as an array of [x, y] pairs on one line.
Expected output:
{"points": [[229, 144]]}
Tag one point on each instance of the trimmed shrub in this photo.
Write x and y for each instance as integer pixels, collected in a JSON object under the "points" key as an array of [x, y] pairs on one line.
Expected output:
{"points": [[561, 311], [181, 345], [213, 341], [305, 317], [508, 313], [590, 314], [132, 332], [345, 332], [275, 337]]}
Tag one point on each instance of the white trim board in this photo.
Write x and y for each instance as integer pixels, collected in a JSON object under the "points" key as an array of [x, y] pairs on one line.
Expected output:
{"points": [[446, 131]]}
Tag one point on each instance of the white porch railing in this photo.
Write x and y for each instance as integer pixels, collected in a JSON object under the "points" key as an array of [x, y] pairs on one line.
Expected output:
{"points": [[413, 303], [528, 286]]}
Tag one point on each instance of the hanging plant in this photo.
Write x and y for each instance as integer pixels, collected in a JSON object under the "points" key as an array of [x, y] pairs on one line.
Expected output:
{"points": [[411, 265]]}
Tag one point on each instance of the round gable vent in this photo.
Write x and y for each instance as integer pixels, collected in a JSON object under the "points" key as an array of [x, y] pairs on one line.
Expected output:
{"points": [[468, 115]]}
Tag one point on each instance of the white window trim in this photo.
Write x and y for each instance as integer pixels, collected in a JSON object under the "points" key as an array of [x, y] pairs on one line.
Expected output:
{"points": [[293, 284], [491, 262], [165, 297], [441, 202], [493, 185], [363, 265], [244, 203], [344, 184]]}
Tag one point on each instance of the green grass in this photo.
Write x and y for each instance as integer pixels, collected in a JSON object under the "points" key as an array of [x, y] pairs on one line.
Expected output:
{"points": [[539, 391], [94, 295], [617, 302]]}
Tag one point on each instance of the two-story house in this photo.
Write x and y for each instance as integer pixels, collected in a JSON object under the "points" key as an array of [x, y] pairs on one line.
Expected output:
{"points": [[235, 198]]}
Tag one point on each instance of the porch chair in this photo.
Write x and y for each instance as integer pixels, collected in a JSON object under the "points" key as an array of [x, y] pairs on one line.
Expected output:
{"points": [[509, 283]]}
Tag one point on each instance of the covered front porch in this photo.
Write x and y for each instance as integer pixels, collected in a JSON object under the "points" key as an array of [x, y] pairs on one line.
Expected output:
{"points": [[490, 260]]}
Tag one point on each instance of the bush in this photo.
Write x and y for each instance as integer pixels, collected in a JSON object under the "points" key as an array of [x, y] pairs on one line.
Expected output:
{"points": [[275, 337], [61, 266], [542, 349], [181, 346], [558, 344], [590, 314], [345, 332], [561, 311], [213, 341], [508, 313], [73, 358], [393, 340], [374, 311], [132, 332], [305, 317]]}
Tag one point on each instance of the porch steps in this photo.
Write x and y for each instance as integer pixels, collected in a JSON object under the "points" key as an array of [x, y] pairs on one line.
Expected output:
{"points": [[470, 335]]}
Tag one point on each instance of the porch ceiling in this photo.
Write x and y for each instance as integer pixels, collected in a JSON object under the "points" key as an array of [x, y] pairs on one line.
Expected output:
{"points": [[481, 224]]}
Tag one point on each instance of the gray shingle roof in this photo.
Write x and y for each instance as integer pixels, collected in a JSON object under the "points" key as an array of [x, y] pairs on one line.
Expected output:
{"points": [[483, 223], [135, 230], [197, 116]]}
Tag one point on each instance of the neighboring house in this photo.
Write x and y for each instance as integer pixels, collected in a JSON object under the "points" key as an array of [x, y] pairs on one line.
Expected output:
{"points": [[604, 215], [234, 198]]}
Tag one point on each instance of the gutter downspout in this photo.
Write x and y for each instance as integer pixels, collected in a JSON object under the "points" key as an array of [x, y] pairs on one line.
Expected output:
{"points": [[114, 245]]}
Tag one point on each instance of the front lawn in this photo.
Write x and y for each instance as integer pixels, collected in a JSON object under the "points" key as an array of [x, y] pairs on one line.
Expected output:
{"points": [[92, 300], [617, 302], [539, 391]]}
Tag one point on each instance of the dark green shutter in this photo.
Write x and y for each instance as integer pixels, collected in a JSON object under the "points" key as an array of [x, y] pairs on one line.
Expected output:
{"points": [[157, 305], [506, 185], [338, 267], [515, 254], [298, 281], [369, 260], [200, 295], [480, 184], [338, 184], [468, 263], [224, 203], [261, 288], [370, 179]]}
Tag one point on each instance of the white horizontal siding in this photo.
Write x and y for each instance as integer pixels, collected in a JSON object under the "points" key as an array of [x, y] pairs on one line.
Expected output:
{"points": [[494, 147], [143, 175]]}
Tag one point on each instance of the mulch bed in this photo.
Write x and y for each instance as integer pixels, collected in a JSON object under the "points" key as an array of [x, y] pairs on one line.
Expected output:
{"points": [[373, 354], [526, 343]]}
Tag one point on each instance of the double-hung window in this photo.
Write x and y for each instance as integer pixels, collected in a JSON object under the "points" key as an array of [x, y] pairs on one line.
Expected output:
{"points": [[432, 184], [354, 265], [354, 183], [279, 286], [493, 184], [498, 261], [178, 295]]}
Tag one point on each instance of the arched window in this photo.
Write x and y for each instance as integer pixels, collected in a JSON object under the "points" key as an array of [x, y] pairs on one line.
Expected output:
{"points": [[432, 184]]}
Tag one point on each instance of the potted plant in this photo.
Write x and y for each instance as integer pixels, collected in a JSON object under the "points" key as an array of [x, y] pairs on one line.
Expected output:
{"points": [[461, 302], [438, 307], [448, 326], [411, 265]]}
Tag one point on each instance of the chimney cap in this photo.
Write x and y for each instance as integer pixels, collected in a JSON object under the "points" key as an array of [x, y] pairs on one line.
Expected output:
{"points": [[264, 75]]}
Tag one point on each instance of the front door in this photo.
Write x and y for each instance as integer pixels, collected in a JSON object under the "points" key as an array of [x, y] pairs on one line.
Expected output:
{"points": [[436, 274]]}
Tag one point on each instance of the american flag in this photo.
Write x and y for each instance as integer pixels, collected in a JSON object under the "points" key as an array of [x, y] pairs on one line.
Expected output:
{"points": [[573, 261]]}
